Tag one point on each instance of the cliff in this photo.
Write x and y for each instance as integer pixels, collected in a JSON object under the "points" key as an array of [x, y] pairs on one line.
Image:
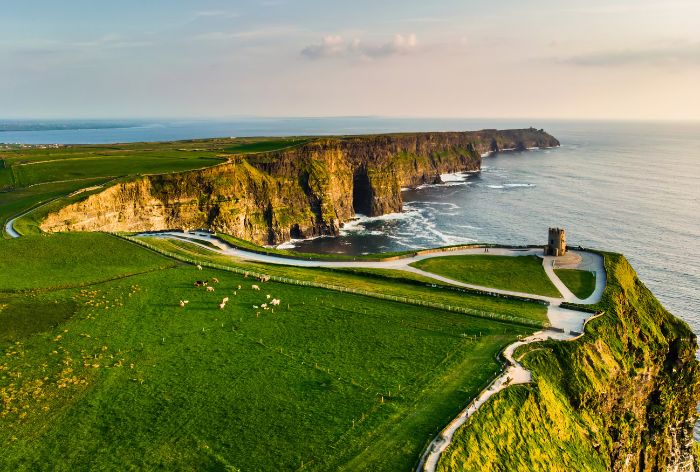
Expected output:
{"points": [[620, 398], [298, 192]]}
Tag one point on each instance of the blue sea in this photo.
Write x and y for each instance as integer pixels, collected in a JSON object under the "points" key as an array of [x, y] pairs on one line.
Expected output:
{"points": [[631, 187]]}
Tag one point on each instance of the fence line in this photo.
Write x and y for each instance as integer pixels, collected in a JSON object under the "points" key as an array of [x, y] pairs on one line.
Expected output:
{"points": [[339, 288]]}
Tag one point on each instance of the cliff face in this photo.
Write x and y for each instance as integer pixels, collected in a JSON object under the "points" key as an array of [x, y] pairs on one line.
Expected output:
{"points": [[299, 192], [620, 398]]}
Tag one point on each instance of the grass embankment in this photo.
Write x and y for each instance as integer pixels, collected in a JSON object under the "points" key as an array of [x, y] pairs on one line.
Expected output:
{"points": [[396, 283], [621, 394], [115, 374], [580, 282], [519, 274]]}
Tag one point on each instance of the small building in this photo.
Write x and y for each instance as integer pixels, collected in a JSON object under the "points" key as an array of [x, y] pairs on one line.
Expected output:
{"points": [[556, 243]]}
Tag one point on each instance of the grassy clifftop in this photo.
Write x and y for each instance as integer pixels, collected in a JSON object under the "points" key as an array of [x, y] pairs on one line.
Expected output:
{"points": [[306, 188], [622, 397]]}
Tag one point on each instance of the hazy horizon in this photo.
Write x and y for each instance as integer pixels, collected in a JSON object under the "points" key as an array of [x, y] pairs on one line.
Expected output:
{"points": [[212, 59], [225, 118]]}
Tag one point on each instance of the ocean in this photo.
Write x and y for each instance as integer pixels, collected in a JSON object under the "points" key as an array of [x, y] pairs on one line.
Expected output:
{"points": [[628, 187]]}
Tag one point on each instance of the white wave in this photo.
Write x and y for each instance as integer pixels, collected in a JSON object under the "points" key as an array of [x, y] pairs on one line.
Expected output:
{"points": [[454, 184], [448, 238], [291, 244], [429, 204], [505, 186], [454, 177], [358, 223]]}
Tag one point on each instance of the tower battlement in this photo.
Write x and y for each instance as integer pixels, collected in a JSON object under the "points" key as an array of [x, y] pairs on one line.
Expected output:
{"points": [[556, 242]]}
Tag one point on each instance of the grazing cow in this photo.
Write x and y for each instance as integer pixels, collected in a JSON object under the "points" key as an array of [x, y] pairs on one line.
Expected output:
{"points": [[215, 280], [267, 296], [264, 306], [255, 287], [239, 287], [222, 305], [183, 303], [225, 299], [199, 267], [275, 301], [210, 289]]}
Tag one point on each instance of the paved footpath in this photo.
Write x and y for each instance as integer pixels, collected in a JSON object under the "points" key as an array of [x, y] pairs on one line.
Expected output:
{"points": [[570, 321]]}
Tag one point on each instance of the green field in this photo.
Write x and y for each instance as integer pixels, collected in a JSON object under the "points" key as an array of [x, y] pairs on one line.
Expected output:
{"points": [[520, 274], [102, 369], [30, 169], [19, 200], [265, 145], [390, 282], [35, 175], [64, 260], [580, 282]]}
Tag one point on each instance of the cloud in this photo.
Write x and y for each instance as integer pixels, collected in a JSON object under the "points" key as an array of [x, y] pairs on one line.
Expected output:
{"points": [[335, 46], [679, 54]]}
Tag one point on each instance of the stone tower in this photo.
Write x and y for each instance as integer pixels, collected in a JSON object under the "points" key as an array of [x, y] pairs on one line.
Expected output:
{"points": [[556, 244]]}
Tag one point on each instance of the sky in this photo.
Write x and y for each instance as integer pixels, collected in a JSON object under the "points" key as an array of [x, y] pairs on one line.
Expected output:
{"points": [[613, 59]]}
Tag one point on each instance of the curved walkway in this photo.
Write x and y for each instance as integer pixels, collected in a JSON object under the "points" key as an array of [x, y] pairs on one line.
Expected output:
{"points": [[568, 324], [561, 318]]}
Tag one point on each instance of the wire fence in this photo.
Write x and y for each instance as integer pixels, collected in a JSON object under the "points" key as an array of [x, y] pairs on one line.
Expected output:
{"points": [[340, 288]]}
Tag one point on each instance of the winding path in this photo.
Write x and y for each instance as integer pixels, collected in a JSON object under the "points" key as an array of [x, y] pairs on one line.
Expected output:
{"points": [[567, 324], [568, 320]]}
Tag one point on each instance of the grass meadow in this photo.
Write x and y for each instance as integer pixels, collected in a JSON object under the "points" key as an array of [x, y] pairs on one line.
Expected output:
{"points": [[520, 274], [101, 368], [580, 282]]}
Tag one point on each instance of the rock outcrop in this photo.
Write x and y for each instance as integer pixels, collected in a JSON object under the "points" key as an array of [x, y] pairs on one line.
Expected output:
{"points": [[299, 192]]}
